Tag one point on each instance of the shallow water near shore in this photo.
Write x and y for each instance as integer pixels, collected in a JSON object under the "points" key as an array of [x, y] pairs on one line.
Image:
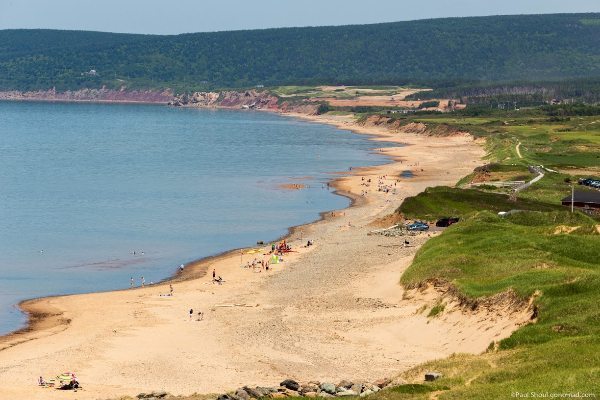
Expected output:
{"points": [[92, 195]]}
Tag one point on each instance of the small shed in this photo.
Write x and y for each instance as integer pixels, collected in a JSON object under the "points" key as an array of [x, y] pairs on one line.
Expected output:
{"points": [[583, 199]]}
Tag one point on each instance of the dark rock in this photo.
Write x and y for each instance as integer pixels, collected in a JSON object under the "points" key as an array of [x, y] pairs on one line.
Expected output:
{"points": [[224, 397], [152, 396], [241, 393], [290, 384], [432, 376]]}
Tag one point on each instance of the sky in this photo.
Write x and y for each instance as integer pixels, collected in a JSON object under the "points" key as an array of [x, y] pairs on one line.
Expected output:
{"points": [[181, 16]]}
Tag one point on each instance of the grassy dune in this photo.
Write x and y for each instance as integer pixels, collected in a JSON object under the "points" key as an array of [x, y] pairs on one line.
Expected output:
{"points": [[486, 254], [544, 251]]}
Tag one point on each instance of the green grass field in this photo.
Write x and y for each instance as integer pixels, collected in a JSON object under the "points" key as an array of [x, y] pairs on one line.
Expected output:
{"points": [[527, 252], [440, 202], [486, 254]]}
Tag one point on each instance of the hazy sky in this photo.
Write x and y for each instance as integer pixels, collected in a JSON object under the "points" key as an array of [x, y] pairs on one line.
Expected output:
{"points": [[178, 16]]}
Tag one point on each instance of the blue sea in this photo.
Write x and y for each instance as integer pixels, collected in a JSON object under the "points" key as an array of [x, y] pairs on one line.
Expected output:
{"points": [[84, 186]]}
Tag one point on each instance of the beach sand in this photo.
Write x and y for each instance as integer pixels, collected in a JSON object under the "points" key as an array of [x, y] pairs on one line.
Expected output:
{"points": [[330, 311]]}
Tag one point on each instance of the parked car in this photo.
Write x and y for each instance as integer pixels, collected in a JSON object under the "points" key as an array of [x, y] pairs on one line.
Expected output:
{"points": [[418, 226], [591, 182], [444, 222]]}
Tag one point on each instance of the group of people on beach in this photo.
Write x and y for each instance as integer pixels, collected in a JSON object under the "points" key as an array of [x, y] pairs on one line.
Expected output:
{"points": [[257, 265], [142, 282], [382, 186]]}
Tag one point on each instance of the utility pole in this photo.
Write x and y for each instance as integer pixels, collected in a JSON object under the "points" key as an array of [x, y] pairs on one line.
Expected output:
{"points": [[572, 197]]}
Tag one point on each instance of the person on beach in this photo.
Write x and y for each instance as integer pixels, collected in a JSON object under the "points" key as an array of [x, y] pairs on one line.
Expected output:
{"points": [[214, 274], [200, 316], [143, 282], [170, 290], [191, 313], [131, 283]]}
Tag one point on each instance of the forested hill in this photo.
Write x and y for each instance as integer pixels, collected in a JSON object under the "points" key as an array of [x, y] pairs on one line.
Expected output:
{"points": [[490, 49]]}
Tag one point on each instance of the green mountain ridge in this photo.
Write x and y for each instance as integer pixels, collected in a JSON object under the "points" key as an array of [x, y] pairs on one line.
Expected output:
{"points": [[490, 49]]}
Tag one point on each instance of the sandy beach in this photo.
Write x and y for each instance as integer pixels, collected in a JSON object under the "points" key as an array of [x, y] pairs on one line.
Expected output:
{"points": [[330, 311]]}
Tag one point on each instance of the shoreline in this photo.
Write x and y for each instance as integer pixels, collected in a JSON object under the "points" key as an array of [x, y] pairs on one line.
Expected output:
{"points": [[141, 318], [43, 320]]}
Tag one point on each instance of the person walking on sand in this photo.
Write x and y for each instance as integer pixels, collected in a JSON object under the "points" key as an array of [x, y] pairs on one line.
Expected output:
{"points": [[143, 282], [131, 283], [191, 313], [170, 289]]}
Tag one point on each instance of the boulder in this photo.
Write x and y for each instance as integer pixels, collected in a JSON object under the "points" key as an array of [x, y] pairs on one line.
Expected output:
{"points": [[255, 393], [324, 394], [242, 394], [290, 393], [347, 392], [383, 382], [277, 395], [309, 387], [328, 388], [290, 384], [366, 393], [345, 384], [224, 397], [357, 387], [432, 376], [160, 395], [310, 394]]}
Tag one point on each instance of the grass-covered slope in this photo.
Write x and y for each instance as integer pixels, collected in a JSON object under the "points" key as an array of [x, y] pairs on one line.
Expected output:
{"points": [[526, 252], [443, 201], [472, 49], [545, 252]]}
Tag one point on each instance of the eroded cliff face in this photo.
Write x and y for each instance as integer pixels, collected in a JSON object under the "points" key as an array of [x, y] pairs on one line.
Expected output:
{"points": [[228, 99], [249, 99], [92, 95]]}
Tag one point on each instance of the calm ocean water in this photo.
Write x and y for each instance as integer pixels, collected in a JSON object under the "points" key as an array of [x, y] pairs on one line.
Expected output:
{"points": [[82, 186]]}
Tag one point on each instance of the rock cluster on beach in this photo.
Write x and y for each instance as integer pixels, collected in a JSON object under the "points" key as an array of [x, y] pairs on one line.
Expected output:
{"points": [[152, 395], [292, 388]]}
